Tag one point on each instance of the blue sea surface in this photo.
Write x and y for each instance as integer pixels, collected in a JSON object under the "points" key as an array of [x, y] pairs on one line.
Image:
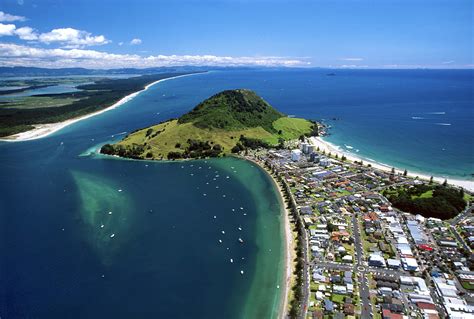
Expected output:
{"points": [[86, 236]]}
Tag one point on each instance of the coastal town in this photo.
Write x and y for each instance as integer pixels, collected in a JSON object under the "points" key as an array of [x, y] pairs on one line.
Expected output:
{"points": [[357, 256]]}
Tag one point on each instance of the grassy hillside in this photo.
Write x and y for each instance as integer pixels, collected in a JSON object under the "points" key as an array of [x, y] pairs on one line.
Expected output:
{"points": [[233, 110], [230, 121]]}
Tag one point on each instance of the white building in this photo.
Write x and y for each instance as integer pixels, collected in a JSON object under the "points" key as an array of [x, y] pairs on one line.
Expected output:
{"points": [[295, 155]]}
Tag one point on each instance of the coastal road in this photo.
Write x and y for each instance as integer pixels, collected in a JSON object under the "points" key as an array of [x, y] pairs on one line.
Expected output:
{"points": [[305, 290]]}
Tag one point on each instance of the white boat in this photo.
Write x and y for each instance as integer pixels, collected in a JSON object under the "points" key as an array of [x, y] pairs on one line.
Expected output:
{"points": [[231, 260], [242, 272], [240, 240], [112, 236]]}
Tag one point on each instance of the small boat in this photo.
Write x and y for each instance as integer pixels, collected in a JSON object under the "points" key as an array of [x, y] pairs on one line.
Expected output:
{"points": [[110, 213], [240, 240], [102, 226], [220, 240], [231, 260], [119, 190], [223, 232], [240, 228], [112, 236], [241, 272]]}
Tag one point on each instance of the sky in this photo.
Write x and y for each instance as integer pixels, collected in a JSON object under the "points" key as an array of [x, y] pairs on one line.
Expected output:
{"points": [[287, 33]]}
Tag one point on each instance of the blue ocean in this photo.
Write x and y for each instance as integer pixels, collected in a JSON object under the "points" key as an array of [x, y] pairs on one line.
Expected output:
{"points": [[86, 236]]}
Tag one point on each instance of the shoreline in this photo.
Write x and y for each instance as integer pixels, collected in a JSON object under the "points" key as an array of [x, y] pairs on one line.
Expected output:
{"points": [[334, 149], [43, 130], [289, 244]]}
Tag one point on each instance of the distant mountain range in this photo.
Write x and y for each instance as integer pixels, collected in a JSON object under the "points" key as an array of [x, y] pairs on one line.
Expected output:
{"points": [[33, 71]]}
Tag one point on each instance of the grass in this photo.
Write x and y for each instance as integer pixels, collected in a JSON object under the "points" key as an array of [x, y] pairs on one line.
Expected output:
{"points": [[291, 128], [314, 286], [337, 298], [172, 133], [467, 197], [467, 285], [32, 102], [427, 194]]}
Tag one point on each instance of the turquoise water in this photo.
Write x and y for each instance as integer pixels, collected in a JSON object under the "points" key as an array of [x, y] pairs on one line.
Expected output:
{"points": [[165, 259], [86, 236]]}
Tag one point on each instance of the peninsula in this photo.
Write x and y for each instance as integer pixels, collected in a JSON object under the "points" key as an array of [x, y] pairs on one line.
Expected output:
{"points": [[29, 117], [228, 122]]}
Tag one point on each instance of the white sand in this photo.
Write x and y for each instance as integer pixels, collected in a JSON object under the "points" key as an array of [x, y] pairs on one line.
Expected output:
{"points": [[43, 130], [328, 147]]}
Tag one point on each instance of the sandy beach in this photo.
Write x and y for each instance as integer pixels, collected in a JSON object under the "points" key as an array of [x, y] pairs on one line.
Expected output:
{"points": [[43, 130], [289, 244], [328, 147]]}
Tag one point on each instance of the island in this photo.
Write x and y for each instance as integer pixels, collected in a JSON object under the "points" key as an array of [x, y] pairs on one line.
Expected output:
{"points": [[229, 122]]}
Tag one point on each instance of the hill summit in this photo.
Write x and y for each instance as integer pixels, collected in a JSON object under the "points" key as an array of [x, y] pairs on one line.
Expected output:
{"points": [[233, 110], [228, 122]]}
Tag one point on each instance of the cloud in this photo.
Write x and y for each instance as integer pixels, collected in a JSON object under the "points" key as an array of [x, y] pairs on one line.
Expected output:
{"points": [[66, 37], [353, 66], [120, 43], [136, 41], [72, 38], [448, 62], [7, 29], [351, 59], [21, 55], [5, 17], [26, 33]]}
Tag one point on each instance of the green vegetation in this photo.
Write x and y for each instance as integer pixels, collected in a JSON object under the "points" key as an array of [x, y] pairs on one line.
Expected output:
{"points": [[337, 298], [228, 122], [32, 102], [93, 97], [467, 285], [438, 201]]}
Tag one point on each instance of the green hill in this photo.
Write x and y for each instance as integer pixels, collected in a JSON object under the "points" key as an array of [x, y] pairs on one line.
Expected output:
{"points": [[230, 121]]}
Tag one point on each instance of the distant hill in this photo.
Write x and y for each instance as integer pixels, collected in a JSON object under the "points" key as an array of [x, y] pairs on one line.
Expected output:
{"points": [[33, 71], [228, 122]]}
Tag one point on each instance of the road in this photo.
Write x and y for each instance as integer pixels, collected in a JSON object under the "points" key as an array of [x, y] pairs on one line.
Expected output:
{"points": [[461, 215]]}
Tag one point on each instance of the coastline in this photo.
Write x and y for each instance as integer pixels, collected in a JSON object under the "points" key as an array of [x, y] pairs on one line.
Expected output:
{"points": [[329, 147], [43, 130], [289, 244]]}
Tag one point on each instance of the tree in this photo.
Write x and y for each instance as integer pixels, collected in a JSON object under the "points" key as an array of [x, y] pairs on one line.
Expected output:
{"points": [[393, 170], [405, 173], [445, 183], [431, 180]]}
